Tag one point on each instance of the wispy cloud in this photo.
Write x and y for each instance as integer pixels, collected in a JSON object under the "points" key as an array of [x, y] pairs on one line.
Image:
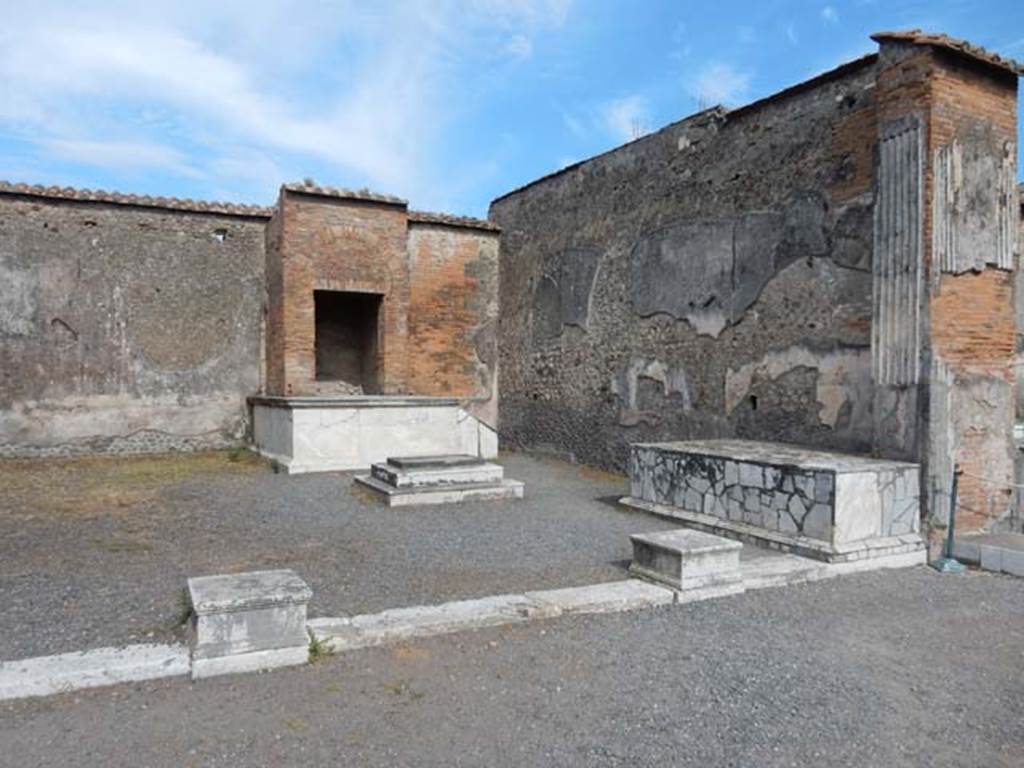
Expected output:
{"points": [[790, 32], [719, 83], [75, 76], [130, 156], [576, 126], [519, 47], [626, 118], [829, 15]]}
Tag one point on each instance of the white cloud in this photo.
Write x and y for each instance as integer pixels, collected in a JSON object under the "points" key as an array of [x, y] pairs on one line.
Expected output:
{"points": [[791, 35], [626, 118], [519, 47], [719, 83], [121, 155], [575, 125], [363, 88], [829, 15]]}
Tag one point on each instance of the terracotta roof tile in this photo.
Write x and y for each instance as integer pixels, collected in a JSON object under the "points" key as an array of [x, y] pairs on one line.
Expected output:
{"points": [[425, 217], [143, 201], [310, 187], [957, 45]]}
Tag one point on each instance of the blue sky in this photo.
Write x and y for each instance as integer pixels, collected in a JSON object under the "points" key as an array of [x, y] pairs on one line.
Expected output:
{"points": [[447, 103]]}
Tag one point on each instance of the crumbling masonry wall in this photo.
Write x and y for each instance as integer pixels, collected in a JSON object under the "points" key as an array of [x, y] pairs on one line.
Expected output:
{"points": [[134, 324], [830, 267], [126, 327], [712, 279]]}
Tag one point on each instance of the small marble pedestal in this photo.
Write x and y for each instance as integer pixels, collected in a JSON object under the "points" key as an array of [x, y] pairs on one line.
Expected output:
{"points": [[691, 562], [245, 622]]}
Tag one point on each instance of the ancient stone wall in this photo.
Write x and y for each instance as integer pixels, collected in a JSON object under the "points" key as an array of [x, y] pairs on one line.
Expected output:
{"points": [[126, 325], [832, 266], [712, 279], [973, 330]]}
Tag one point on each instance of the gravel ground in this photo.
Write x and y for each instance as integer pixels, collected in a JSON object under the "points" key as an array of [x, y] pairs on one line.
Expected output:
{"points": [[888, 669], [95, 552]]}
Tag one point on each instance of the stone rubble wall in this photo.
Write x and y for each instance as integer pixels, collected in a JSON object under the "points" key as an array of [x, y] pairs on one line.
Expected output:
{"points": [[711, 279], [126, 329]]}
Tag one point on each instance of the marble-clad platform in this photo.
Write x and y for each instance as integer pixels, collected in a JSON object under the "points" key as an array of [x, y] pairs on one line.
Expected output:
{"points": [[325, 434], [831, 506]]}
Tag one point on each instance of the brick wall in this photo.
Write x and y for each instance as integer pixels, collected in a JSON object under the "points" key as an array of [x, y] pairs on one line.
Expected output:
{"points": [[331, 243], [437, 276], [969, 323], [453, 310]]}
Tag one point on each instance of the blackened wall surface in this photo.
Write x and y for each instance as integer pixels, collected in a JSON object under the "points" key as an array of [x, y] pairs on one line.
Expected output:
{"points": [[712, 279], [126, 328]]}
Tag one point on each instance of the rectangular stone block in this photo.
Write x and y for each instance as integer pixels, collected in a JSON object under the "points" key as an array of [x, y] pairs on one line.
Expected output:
{"points": [[403, 473], [828, 505], [246, 621], [686, 559]]}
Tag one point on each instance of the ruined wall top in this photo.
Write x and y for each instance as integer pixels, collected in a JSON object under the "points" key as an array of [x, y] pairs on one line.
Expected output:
{"points": [[956, 45], [186, 205], [138, 201]]}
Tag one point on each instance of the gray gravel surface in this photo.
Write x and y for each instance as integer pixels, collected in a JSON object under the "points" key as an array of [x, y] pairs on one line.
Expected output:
{"points": [[887, 669], [96, 552]]}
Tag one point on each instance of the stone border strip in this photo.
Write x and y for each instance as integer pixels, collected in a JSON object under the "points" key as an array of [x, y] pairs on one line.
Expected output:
{"points": [[47, 675], [992, 552], [366, 631]]}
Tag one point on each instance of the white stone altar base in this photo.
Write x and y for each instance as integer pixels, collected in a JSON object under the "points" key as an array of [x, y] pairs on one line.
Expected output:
{"points": [[831, 506], [243, 622], [325, 434]]}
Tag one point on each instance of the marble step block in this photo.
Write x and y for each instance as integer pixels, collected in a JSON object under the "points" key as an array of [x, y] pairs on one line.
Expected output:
{"points": [[442, 479], [451, 493], [831, 506], [243, 622], [434, 462], [405, 473], [688, 560]]}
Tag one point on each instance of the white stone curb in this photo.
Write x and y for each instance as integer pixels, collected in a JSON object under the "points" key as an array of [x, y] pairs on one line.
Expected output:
{"points": [[47, 675], [346, 634]]}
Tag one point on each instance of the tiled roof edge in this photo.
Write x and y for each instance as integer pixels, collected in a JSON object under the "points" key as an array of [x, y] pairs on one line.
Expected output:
{"points": [[936, 40], [444, 219], [138, 201], [311, 188]]}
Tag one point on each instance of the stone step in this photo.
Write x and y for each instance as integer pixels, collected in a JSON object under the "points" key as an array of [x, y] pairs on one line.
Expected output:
{"points": [[441, 494], [431, 462], [438, 474]]}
